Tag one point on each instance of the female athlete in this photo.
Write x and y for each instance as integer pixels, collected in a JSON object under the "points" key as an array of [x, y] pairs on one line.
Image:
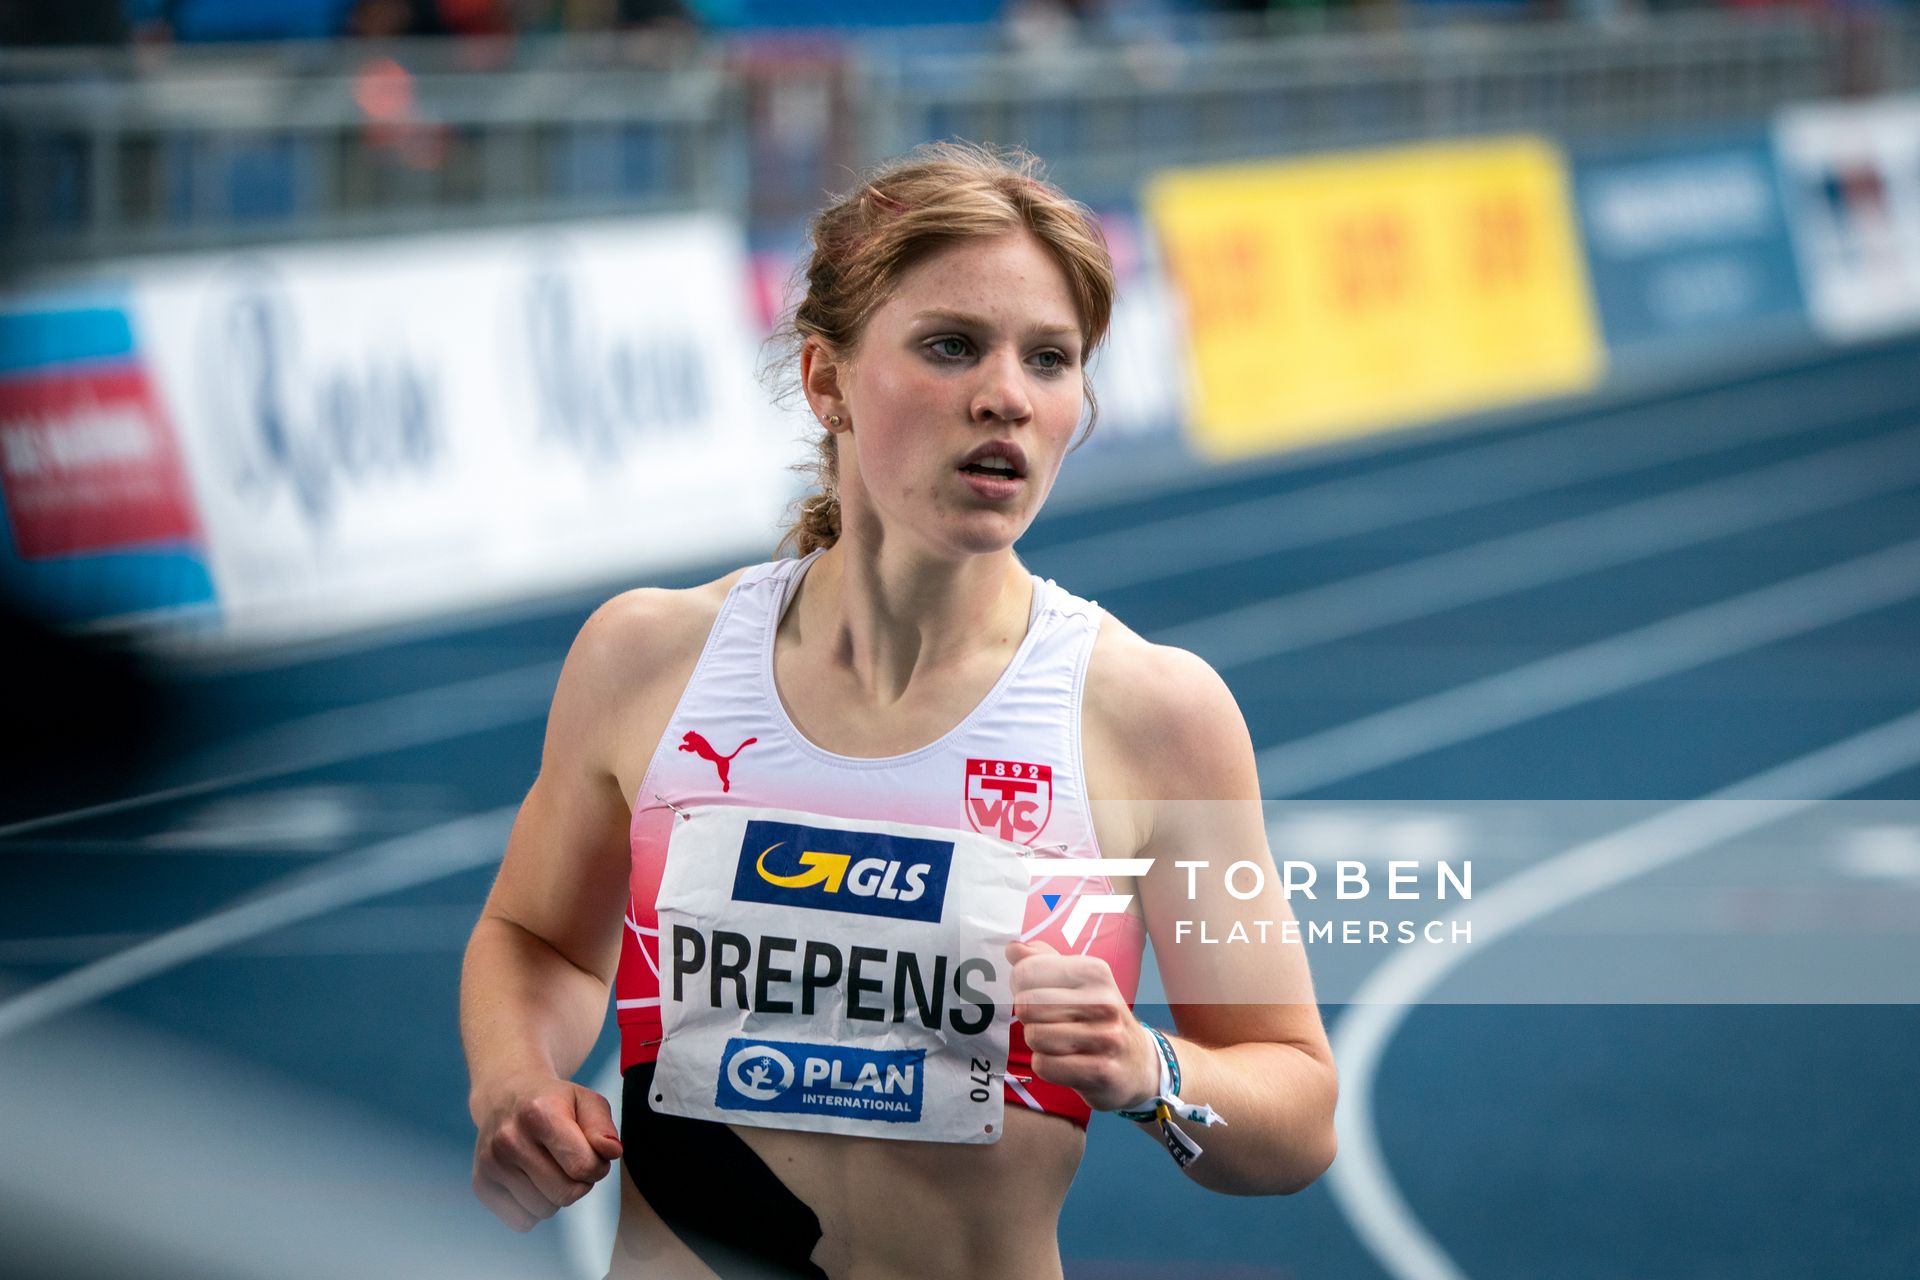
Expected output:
{"points": [[915, 735]]}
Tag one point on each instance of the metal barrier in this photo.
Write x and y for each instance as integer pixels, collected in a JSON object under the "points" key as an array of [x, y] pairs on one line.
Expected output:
{"points": [[1898, 64], [1107, 116], [109, 153]]}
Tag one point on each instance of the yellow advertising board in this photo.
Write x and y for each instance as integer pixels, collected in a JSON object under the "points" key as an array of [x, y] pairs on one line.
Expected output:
{"points": [[1337, 294]]}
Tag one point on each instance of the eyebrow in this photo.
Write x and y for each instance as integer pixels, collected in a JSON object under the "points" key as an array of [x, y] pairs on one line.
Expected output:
{"points": [[966, 321]]}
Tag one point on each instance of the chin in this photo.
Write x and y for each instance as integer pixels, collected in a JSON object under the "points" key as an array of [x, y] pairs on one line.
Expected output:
{"points": [[987, 537]]}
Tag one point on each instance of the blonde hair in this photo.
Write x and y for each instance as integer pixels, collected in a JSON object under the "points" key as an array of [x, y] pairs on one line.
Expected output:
{"points": [[935, 196]]}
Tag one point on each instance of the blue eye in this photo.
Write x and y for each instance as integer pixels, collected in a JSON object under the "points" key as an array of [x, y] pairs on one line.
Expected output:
{"points": [[940, 347], [1055, 360]]}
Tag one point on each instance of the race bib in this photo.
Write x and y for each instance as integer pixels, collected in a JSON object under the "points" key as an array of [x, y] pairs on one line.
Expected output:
{"points": [[836, 975]]}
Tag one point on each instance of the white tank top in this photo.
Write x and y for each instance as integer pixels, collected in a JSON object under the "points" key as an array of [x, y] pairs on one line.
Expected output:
{"points": [[1012, 769]]}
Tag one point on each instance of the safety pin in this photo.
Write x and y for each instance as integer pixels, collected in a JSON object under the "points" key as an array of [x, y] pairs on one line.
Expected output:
{"points": [[659, 800]]}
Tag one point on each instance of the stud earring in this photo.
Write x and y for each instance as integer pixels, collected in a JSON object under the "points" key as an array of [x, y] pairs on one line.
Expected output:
{"points": [[834, 421]]}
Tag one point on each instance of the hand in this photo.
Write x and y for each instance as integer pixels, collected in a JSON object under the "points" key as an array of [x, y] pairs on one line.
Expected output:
{"points": [[542, 1146], [1079, 1028]]}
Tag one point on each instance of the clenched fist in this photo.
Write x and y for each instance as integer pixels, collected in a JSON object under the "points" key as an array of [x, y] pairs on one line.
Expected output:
{"points": [[543, 1144], [1079, 1028]]}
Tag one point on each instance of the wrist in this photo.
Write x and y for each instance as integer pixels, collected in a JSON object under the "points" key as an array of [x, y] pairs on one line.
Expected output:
{"points": [[499, 1091], [1167, 1104], [1153, 1072]]}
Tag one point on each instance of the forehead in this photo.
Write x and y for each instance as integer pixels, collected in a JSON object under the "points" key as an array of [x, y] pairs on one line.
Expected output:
{"points": [[1011, 281]]}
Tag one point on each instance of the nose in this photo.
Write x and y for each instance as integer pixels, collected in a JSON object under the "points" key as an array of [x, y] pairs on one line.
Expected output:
{"points": [[1001, 395]]}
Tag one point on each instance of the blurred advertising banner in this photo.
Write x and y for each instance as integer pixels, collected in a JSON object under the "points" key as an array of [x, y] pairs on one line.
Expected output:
{"points": [[384, 430], [1689, 247], [100, 517], [1852, 173], [1136, 374], [1338, 294]]}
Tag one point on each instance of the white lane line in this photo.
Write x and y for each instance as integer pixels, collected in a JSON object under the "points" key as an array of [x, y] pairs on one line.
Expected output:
{"points": [[1390, 497], [1550, 553], [387, 867], [391, 724], [1664, 648], [416, 719], [350, 931], [1360, 1182]]}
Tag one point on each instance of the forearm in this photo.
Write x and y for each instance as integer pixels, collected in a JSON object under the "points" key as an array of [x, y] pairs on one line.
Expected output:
{"points": [[524, 1007], [1277, 1100]]}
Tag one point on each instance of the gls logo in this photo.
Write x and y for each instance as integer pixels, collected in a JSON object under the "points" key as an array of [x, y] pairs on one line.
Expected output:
{"points": [[862, 872]]}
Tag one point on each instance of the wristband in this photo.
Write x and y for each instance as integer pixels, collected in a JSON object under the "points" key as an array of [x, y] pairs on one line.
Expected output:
{"points": [[1166, 1104]]}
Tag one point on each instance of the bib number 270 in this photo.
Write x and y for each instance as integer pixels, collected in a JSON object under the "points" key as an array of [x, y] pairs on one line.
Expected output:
{"points": [[982, 1080]]}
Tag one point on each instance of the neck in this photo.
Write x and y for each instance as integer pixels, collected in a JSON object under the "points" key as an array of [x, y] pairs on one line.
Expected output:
{"points": [[890, 618]]}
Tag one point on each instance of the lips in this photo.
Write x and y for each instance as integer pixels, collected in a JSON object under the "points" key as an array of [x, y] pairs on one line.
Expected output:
{"points": [[1001, 459]]}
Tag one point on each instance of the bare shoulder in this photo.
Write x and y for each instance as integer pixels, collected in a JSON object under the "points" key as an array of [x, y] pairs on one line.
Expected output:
{"points": [[639, 632], [1165, 720], [628, 665]]}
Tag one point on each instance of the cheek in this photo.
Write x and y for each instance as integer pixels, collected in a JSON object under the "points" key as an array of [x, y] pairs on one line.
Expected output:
{"points": [[1065, 405], [900, 384], [902, 405]]}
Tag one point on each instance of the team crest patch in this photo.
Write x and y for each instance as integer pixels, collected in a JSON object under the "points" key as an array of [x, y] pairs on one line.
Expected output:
{"points": [[1009, 799]]}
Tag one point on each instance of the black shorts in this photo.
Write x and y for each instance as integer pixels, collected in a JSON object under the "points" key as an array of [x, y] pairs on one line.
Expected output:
{"points": [[713, 1191]]}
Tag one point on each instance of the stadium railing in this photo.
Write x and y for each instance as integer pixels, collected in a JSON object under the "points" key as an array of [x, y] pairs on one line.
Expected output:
{"points": [[109, 153]]}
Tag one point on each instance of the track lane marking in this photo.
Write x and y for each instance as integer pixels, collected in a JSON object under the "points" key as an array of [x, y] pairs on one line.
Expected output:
{"points": [[1674, 644], [1360, 1181], [379, 869], [420, 718], [1545, 554], [1422, 489]]}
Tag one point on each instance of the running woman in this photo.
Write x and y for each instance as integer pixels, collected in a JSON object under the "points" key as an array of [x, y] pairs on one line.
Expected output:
{"points": [[869, 1003]]}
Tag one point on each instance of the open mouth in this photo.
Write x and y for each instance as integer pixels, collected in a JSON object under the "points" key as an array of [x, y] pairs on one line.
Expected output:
{"points": [[997, 468], [996, 460]]}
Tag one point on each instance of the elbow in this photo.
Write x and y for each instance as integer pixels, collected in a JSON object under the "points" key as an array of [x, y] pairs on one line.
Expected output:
{"points": [[1301, 1165], [1322, 1140], [1313, 1162], [1291, 1156], [1299, 1169]]}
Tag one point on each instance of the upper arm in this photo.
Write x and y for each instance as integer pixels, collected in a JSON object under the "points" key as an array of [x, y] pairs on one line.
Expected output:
{"points": [[1189, 764], [564, 876]]}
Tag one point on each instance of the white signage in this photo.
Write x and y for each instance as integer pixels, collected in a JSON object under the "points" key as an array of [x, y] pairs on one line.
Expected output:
{"points": [[386, 430], [1852, 178]]}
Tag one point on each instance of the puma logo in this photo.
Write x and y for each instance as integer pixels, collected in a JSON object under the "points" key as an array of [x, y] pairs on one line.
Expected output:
{"points": [[723, 763]]}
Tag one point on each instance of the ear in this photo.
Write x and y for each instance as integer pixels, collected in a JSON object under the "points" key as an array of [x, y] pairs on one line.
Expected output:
{"points": [[820, 374]]}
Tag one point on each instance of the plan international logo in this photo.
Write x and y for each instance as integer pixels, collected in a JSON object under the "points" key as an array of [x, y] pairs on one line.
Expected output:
{"points": [[821, 1080], [862, 872]]}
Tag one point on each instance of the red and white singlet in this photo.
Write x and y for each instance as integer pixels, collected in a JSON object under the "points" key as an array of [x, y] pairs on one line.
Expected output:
{"points": [[1011, 769]]}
